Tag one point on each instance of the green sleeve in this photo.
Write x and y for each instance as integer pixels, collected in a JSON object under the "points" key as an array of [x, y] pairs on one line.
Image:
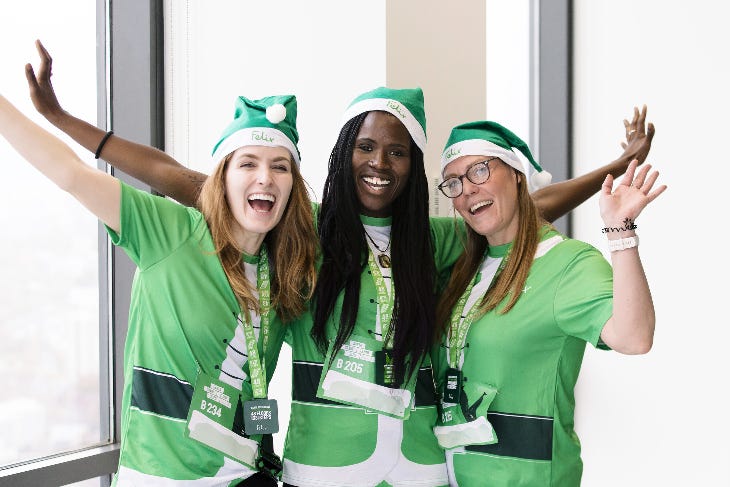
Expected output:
{"points": [[584, 295], [449, 237], [151, 227]]}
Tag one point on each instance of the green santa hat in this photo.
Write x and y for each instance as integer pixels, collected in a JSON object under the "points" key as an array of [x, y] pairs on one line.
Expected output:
{"points": [[405, 104], [269, 121], [486, 138]]}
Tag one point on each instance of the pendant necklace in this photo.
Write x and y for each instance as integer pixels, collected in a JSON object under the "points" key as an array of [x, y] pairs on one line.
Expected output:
{"points": [[383, 258]]}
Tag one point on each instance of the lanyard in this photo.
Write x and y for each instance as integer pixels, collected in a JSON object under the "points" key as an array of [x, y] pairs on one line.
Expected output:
{"points": [[256, 366], [459, 327], [385, 300]]}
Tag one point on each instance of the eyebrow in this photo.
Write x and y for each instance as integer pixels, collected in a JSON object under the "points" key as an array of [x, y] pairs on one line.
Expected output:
{"points": [[454, 175], [281, 158], [395, 144], [254, 156]]}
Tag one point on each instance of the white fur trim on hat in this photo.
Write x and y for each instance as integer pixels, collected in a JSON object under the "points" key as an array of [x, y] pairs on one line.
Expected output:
{"points": [[254, 136], [393, 107], [276, 113], [514, 158]]}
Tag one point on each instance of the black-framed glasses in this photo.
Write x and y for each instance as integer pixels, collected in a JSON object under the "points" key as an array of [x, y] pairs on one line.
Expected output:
{"points": [[477, 173]]}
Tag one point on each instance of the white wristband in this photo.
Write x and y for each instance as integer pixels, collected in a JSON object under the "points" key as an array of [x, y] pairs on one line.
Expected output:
{"points": [[623, 243]]}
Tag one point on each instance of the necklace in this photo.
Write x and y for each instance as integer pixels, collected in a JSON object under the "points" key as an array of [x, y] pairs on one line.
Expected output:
{"points": [[383, 258]]}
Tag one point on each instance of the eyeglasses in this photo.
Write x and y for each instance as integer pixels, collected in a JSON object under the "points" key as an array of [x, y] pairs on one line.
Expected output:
{"points": [[477, 173]]}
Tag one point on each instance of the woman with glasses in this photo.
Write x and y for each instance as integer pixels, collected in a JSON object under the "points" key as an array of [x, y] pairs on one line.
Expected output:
{"points": [[521, 304]]}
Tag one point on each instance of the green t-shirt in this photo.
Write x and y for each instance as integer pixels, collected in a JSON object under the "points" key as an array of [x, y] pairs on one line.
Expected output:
{"points": [[532, 355], [183, 318], [332, 444]]}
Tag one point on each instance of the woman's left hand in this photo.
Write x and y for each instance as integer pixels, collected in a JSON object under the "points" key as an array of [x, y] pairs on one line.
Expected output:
{"points": [[630, 197]]}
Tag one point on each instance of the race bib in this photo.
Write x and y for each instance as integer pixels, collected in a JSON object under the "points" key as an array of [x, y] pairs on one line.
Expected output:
{"points": [[351, 378], [465, 423], [210, 420]]}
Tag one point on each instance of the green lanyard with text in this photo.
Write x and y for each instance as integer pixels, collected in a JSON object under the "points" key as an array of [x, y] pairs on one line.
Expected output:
{"points": [[385, 300], [459, 327], [256, 366]]}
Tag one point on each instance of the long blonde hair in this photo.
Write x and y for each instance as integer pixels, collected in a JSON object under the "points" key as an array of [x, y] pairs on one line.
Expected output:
{"points": [[291, 244], [512, 278]]}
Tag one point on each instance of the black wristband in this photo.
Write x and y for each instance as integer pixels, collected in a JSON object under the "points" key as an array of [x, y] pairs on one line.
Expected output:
{"points": [[101, 144]]}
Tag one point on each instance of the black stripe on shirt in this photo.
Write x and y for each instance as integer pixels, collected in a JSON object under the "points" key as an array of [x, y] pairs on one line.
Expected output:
{"points": [[306, 377], [160, 393], [529, 437]]}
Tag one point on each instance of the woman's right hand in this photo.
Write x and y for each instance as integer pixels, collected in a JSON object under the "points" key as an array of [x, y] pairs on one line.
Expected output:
{"points": [[621, 206], [41, 90], [639, 135]]}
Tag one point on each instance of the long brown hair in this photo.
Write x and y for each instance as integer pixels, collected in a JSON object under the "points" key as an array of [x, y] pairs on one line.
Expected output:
{"points": [[292, 246], [512, 278]]}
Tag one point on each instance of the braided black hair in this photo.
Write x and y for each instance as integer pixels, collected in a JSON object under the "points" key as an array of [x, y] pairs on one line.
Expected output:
{"points": [[344, 254]]}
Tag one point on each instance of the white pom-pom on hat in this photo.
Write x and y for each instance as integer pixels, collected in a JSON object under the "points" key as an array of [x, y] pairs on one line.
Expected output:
{"points": [[276, 113], [541, 179]]}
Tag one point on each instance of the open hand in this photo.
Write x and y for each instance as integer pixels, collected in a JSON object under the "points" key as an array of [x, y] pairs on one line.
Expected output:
{"points": [[638, 136], [633, 193], [41, 90]]}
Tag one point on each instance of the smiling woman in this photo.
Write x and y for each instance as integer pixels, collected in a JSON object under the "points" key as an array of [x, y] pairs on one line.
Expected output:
{"points": [[258, 181], [470, 203], [519, 308], [207, 315], [381, 162]]}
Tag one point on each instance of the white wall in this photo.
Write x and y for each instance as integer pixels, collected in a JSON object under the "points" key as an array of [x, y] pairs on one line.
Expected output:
{"points": [[660, 419], [508, 70]]}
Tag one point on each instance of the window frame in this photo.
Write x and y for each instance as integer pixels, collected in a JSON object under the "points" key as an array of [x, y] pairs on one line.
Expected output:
{"points": [[551, 97]]}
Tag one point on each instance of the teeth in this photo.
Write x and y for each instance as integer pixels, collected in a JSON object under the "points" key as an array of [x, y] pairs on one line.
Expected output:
{"points": [[376, 181], [480, 204], [261, 196]]}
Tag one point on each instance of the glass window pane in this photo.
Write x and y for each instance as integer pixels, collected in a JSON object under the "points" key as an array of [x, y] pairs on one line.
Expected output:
{"points": [[49, 318]]}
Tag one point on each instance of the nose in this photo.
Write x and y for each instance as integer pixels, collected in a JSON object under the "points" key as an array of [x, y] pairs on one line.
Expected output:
{"points": [[264, 175], [467, 187], [379, 159]]}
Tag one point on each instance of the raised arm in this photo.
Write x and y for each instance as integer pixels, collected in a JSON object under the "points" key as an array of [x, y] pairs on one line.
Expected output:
{"points": [[560, 198], [96, 190], [630, 329], [145, 163]]}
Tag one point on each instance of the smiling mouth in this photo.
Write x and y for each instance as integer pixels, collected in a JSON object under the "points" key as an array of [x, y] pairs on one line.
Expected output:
{"points": [[261, 202], [474, 208], [375, 182]]}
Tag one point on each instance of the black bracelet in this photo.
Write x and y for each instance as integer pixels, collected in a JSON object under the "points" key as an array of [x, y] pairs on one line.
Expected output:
{"points": [[101, 144]]}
